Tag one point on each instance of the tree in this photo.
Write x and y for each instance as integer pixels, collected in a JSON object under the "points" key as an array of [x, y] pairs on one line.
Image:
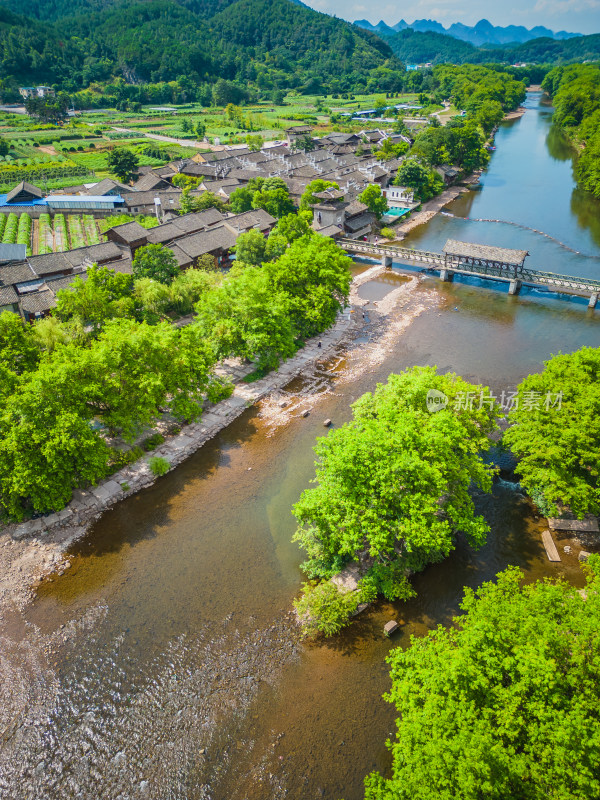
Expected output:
{"points": [[48, 109], [154, 297], [155, 261], [373, 199], [244, 317], [189, 286], [200, 130], [123, 163], [4, 148], [308, 198], [18, 351], [416, 176], [255, 142], [305, 143], [504, 704], [557, 437], [394, 482], [324, 609], [90, 302], [48, 333], [191, 204], [250, 248], [291, 227], [241, 200], [276, 202], [314, 274]]}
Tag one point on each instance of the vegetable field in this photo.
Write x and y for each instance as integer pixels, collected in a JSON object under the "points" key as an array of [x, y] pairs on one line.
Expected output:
{"points": [[45, 235]]}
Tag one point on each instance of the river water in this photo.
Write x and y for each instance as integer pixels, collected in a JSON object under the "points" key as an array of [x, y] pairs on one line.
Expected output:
{"points": [[164, 663]]}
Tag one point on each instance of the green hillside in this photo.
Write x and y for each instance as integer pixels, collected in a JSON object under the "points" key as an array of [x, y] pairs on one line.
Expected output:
{"points": [[279, 43]]}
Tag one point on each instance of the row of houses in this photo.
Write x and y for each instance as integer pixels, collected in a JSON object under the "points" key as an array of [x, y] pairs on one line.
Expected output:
{"points": [[29, 286]]}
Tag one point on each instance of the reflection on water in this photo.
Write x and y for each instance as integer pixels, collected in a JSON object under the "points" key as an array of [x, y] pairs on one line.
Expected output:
{"points": [[178, 673]]}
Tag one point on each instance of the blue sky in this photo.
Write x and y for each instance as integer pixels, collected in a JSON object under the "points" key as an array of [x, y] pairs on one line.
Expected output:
{"points": [[578, 16]]}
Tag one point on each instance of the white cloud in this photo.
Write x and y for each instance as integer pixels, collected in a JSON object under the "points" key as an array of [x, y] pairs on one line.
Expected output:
{"points": [[565, 6]]}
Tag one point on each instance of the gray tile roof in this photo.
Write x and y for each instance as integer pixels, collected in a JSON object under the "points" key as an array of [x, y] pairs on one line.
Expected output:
{"points": [[107, 185], [215, 239], [472, 250], [20, 272], [8, 295], [37, 302], [50, 262], [95, 253], [129, 232], [149, 182]]}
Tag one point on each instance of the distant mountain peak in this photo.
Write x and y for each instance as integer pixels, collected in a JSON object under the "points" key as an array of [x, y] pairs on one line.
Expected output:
{"points": [[482, 33]]}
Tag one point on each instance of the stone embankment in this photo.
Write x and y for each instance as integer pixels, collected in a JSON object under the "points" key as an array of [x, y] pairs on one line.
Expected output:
{"points": [[434, 206], [33, 549]]}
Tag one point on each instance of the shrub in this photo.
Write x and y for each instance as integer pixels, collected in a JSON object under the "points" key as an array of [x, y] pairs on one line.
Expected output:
{"points": [[152, 442], [388, 233], [158, 465], [323, 608]]}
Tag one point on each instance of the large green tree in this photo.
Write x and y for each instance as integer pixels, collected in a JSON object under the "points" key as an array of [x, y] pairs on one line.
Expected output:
{"points": [[155, 261], [395, 482], [123, 163], [555, 433], [244, 317], [373, 199], [315, 275], [504, 704], [92, 299], [250, 248]]}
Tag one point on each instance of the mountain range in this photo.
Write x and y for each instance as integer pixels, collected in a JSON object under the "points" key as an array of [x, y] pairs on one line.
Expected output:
{"points": [[483, 33], [258, 45]]}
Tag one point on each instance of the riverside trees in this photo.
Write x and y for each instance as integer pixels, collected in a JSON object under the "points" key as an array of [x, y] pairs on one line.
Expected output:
{"points": [[558, 443], [504, 703], [108, 365], [393, 484]]}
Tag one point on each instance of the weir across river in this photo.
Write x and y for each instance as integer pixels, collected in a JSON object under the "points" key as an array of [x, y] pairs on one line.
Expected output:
{"points": [[482, 261]]}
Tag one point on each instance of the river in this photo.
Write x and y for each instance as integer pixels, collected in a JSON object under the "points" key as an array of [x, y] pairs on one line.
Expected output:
{"points": [[164, 663]]}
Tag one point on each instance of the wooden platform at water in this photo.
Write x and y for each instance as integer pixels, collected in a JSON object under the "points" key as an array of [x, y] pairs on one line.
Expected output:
{"points": [[551, 550], [589, 524]]}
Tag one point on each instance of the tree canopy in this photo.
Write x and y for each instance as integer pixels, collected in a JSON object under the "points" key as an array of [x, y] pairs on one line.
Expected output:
{"points": [[555, 433], [504, 704], [123, 163], [394, 482], [155, 261]]}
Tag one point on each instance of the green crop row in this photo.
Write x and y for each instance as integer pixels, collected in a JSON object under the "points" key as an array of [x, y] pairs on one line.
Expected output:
{"points": [[91, 229], [3, 218], [10, 229], [24, 232], [61, 240], [76, 232], [45, 238]]}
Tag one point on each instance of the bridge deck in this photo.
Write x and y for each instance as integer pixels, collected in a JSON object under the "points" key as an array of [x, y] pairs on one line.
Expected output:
{"points": [[565, 284]]}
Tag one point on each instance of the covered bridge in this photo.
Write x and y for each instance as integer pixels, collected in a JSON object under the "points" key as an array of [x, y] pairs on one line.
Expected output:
{"points": [[482, 255]]}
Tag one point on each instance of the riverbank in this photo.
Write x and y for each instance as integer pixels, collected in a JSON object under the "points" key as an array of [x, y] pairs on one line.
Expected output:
{"points": [[435, 205], [516, 114], [32, 551]]}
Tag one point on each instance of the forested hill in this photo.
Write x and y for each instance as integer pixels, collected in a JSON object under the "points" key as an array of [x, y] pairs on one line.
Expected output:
{"points": [[274, 43], [417, 47]]}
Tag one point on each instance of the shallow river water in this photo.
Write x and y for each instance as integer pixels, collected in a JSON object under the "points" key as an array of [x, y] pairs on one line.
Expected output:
{"points": [[165, 664]]}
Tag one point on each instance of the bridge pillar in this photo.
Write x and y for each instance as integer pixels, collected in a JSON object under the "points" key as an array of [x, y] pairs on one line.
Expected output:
{"points": [[446, 275], [386, 261], [515, 287], [593, 300]]}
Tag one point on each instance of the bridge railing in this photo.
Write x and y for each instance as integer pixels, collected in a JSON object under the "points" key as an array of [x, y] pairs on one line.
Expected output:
{"points": [[437, 260]]}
